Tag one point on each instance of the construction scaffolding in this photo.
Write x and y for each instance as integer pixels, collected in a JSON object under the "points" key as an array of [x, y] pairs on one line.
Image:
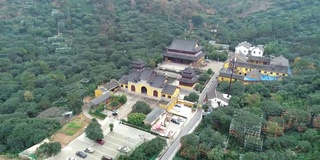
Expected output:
{"points": [[246, 127]]}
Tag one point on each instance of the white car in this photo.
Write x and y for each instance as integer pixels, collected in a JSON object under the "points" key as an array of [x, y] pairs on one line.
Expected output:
{"points": [[124, 149], [70, 158], [89, 150]]}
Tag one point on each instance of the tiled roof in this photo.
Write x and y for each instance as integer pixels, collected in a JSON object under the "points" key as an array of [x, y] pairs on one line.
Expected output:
{"points": [[245, 44], [158, 81], [227, 73], [169, 89], [188, 72], [111, 85], [185, 45], [216, 94], [185, 56], [99, 99], [270, 68], [186, 80], [254, 74], [154, 114], [281, 61], [260, 59], [145, 74], [124, 79]]}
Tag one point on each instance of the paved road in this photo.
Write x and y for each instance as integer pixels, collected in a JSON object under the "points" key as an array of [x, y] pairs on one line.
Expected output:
{"points": [[171, 150], [212, 84], [216, 67]]}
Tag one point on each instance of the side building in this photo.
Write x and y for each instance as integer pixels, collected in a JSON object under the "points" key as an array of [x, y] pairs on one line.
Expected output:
{"points": [[188, 78], [146, 81], [255, 69], [185, 52]]}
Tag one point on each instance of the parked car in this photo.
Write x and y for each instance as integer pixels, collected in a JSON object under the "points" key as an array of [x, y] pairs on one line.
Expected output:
{"points": [[100, 141], [70, 158], [106, 157], [115, 112], [124, 149], [175, 121], [81, 154], [177, 105], [89, 150]]}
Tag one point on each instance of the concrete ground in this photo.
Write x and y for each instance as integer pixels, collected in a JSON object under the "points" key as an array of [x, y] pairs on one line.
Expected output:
{"points": [[183, 111], [170, 128], [175, 67], [216, 66], [122, 135]]}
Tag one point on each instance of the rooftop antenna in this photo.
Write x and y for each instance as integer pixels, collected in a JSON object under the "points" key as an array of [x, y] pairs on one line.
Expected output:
{"points": [[232, 68]]}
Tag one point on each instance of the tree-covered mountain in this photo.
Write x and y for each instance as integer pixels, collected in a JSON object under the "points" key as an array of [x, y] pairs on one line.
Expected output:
{"points": [[47, 47]]}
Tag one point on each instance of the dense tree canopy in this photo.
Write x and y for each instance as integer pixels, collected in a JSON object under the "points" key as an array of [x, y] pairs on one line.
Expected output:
{"points": [[94, 131], [141, 107], [44, 54]]}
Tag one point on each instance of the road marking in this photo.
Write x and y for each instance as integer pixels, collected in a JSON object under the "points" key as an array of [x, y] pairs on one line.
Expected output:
{"points": [[109, 148], [104, 153], [91, 156], [121, 139]]}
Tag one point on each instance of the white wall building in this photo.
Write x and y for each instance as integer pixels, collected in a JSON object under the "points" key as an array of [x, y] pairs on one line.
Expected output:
{"points": [[247, 49], [217, 99]]}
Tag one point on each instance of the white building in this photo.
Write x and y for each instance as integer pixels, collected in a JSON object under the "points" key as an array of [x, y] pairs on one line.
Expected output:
{"points": [[217, 99], [247, 49]]}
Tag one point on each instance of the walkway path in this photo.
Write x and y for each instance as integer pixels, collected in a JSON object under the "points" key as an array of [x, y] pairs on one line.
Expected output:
{"points": [[175, 146], [194, 122]]}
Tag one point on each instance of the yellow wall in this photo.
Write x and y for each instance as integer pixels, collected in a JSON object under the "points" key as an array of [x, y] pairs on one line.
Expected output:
{"points": [[186, 103], [97, 93], [244, 71], [170, 105], [149, 89], [226, 79], [187, 87], [226, 65]]}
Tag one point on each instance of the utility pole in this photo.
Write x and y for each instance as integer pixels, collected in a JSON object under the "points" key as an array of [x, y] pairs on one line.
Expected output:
{"points": [[232, 68]]}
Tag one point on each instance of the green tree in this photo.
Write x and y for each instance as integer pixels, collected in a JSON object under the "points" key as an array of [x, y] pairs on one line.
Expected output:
{"points": [[28, 80], [48, 149], [197, 20], [215, 154], [149, 149], [189, 148], [94, 131], [205, 107], [136, 118], [192, 97], [210, 71], [141, 107], [111, 125], [74, 103], [28, 96]]}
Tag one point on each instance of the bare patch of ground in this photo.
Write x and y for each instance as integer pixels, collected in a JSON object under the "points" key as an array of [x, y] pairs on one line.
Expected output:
{"points": [[256, 7], [66, 139]]}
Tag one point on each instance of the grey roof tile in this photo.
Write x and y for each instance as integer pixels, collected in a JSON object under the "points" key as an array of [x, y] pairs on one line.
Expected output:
{"points": [[169, 89], [216, 94], [185, 56], [99, 99], [185, 45], [158, 81], [154, 114], [111, 85]]}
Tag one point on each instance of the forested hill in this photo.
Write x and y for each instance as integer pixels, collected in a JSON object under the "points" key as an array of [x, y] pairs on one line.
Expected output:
{"points": [[47, 47]]}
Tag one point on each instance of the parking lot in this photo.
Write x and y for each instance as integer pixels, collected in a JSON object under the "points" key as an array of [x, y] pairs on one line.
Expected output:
{"points": [[122, 135]]}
